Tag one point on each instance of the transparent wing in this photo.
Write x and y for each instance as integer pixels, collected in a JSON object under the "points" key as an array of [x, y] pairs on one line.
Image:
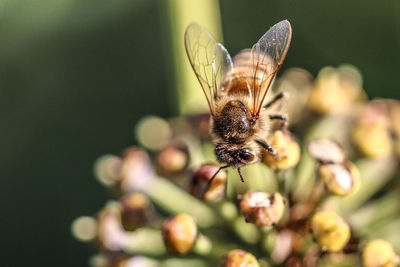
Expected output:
{"points": [[209, 59], [267, 58]]}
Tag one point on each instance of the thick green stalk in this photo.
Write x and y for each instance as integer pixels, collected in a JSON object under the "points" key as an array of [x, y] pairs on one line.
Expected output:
{"points": [[174, 200], [181, 14], [386, 206]]}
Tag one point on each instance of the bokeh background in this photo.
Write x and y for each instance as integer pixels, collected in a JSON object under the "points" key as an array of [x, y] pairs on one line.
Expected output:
{"points": [[76, 75]]}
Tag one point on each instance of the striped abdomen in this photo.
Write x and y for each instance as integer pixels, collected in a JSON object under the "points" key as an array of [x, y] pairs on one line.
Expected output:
{"points": [[242, 79]]}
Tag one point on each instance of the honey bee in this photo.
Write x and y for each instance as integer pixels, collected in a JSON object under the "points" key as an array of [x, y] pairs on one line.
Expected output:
{"points": [[235, 91]]}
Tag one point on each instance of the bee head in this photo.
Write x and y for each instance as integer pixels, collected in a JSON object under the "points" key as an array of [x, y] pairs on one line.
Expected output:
{"points": [[234, 155]]}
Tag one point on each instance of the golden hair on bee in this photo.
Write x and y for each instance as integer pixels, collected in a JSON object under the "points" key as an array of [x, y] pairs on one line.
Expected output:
{"points": [[235, 91]]}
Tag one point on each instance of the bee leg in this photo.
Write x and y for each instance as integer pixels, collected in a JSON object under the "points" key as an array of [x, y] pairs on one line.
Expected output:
{"points": [[240, 174], [215, 174], [277, 117], [267, 147], [275, 99]]}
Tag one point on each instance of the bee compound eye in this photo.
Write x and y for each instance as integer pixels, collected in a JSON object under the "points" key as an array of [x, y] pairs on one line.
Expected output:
{"points": [[246, 154]]}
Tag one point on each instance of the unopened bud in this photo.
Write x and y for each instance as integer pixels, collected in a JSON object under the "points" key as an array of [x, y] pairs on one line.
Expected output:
{"points": [[326, 151], [136, 210], [238, 258], [172, 159], [340, 179], [287, 151], [179, 234], [84, 228], [107, 168], [136, 170], [110, 234], [202, 189], [334, 92], [261, 208], [379, 253], [296, 83], [373, 139], [329, 230]]}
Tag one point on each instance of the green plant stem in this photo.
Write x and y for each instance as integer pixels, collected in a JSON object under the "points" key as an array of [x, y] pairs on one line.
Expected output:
{"points": [[386, 206], [181, 13], [144, 241], [386, 229], [174, 200], [260, 177]]}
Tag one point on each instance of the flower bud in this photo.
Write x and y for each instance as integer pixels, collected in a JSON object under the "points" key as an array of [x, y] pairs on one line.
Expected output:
{"points": [[261, 208], [110, 234], [136, 170], [135, 211], [373, 139], [107, 168], [340, 179], [172, 159], [287, 151], [84, 228], [179, 234], [200, 187], [238, 258], [296, 83], [379, 253], [335, 91], [326, 151], [329, 230]]}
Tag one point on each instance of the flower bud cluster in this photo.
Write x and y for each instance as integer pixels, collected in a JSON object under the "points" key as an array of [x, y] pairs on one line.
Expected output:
{"points": [[170, 206]]}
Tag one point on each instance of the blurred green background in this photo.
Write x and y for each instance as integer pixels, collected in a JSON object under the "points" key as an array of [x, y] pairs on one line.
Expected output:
{"points": [[75, 76]]}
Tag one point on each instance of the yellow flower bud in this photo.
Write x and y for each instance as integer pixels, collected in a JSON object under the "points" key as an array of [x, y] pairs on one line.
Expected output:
{"points": [[379, 253], [287, 151], [333, 92], [238, 258], [262, 208], [179, 234], [329, 230], [373, 139]]}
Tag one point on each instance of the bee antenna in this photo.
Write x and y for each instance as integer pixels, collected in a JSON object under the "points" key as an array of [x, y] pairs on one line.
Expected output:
{"points": [[215, 174]]}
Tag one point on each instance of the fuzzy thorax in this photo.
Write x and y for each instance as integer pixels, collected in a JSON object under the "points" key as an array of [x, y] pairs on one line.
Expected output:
{"points": [[235, 131]]}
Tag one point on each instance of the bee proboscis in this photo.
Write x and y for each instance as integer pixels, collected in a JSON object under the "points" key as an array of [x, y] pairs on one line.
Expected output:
{"points": [[235, 91]]}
